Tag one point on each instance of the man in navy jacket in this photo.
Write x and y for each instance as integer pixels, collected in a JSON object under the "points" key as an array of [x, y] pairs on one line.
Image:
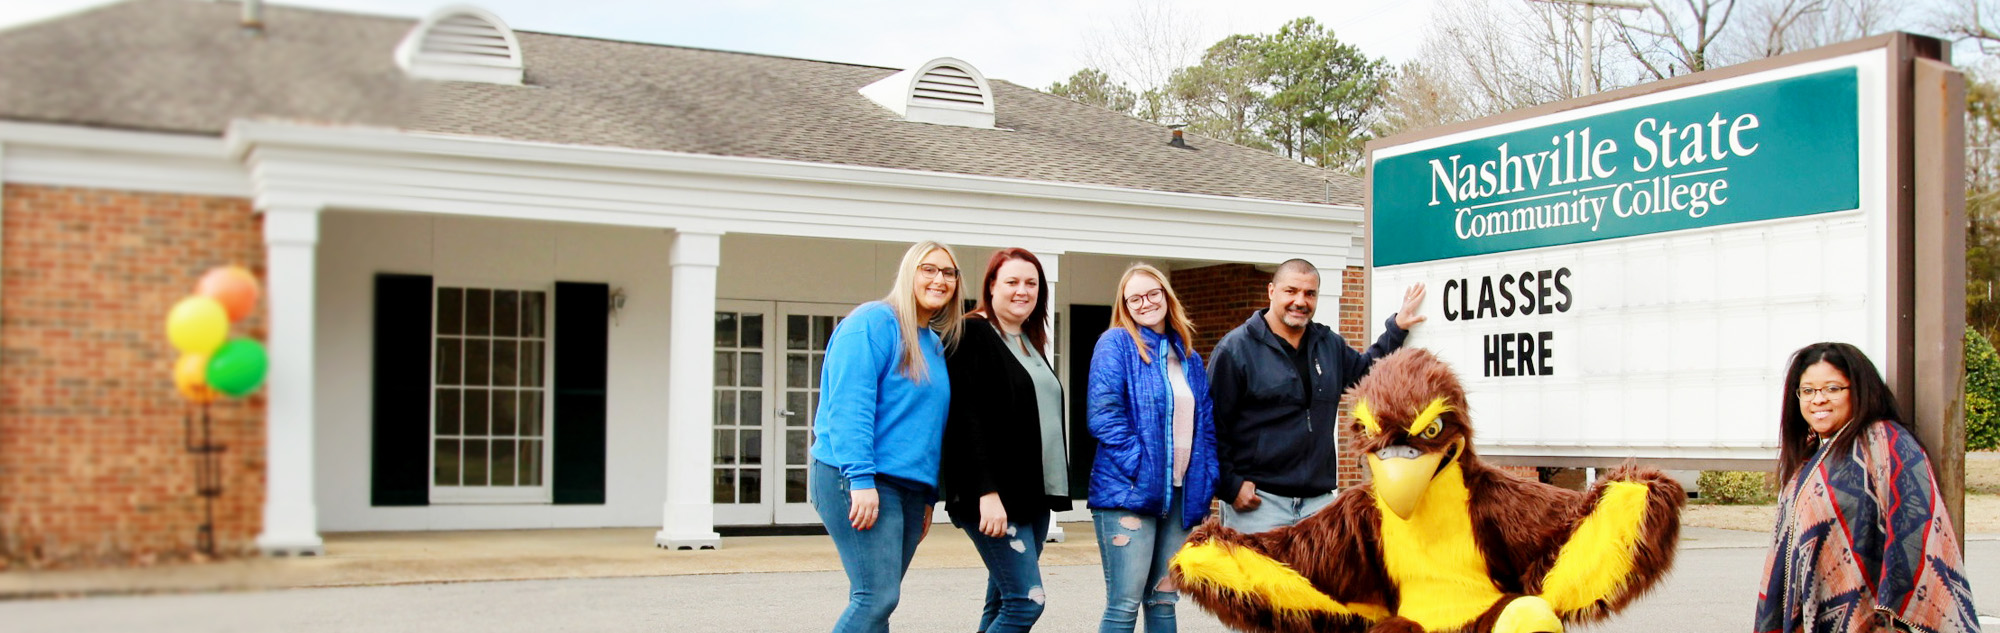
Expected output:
{"points": [[1276, 381]]}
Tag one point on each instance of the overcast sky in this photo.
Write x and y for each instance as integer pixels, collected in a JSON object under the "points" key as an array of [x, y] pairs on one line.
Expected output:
{"points": [[1029, 42]]}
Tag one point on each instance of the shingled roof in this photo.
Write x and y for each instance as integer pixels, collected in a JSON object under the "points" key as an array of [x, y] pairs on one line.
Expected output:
{"points": [[185, 66]]}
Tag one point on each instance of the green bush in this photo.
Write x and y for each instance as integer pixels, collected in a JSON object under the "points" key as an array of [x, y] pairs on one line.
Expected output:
{"points": [[1737, 487], [1982, 393]]}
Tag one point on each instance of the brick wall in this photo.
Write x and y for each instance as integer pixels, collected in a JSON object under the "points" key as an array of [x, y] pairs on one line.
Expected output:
{"points": [[93, 469], [1218, 298]]}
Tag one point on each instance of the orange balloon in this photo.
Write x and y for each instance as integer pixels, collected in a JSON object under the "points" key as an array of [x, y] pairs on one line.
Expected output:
{"points": [[232, 286], [191, 378]]}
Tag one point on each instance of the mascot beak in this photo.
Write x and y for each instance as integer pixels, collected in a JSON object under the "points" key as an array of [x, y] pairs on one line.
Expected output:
{"points": [[1400, 475]]}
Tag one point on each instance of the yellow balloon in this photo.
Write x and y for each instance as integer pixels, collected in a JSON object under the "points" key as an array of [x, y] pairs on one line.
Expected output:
{"points": [[197, 325], [191, 378]]}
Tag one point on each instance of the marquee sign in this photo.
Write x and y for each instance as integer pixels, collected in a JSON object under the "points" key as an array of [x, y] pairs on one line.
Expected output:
{"points": [[1626, 278]]}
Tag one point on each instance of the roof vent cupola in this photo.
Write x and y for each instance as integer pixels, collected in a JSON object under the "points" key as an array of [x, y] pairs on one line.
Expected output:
{"points": [[944, 91], [461, 43]]}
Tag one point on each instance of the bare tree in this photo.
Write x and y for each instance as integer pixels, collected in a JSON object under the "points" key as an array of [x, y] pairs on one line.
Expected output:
{"points": [[1142, 48], [1481, 57], [1677, 37], [1776, 27], [1970, 19]]}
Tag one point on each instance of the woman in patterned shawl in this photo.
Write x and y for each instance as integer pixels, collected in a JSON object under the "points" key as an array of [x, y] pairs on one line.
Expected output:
{"points": [[1863, 541]]}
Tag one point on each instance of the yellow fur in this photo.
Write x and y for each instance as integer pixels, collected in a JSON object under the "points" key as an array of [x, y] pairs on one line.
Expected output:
{"points": [[1527, 614], [1430, 414], [1248, 573], [1597, 559], [1366, 417], [1440, 572]]}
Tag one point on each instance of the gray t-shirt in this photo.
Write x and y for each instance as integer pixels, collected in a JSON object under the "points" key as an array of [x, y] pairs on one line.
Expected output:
{"points": [[1048, 402]]}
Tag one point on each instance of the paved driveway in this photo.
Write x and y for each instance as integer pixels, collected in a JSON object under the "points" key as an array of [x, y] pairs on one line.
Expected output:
{"points": [[1711, 590]]}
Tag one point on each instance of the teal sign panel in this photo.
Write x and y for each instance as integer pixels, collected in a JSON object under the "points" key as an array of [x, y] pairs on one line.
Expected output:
{"points": [[1782, 148]]}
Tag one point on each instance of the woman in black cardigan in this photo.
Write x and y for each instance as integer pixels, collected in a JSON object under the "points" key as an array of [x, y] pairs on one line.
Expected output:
{"points": [[1004, 466]]}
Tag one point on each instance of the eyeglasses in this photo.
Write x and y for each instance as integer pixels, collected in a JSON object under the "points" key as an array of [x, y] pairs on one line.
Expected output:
{"points": [[1832, 392], [929, 271], [1154, 296]]}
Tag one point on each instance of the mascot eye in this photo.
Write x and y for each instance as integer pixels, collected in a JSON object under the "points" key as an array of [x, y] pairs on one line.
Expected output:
{"points": [[1436, 427]]}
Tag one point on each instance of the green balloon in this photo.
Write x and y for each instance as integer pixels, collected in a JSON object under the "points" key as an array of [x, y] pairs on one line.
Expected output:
{"points": [[238, 367]]}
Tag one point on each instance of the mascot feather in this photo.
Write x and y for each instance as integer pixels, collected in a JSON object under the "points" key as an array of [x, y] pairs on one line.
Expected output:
{"points": [[1438, 541]]}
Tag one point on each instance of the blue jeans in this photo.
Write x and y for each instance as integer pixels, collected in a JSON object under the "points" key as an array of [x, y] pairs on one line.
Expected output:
{"points": [[1014, 594], [876, 558], [1136, 549], [1274, 511]]}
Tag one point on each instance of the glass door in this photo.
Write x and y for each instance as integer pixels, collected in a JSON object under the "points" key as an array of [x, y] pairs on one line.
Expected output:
{"points": [[743, 412], [806, 328], [768, 357]]}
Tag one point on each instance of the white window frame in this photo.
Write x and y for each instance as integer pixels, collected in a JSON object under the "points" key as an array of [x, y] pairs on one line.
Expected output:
{"points": [[542, 494]]}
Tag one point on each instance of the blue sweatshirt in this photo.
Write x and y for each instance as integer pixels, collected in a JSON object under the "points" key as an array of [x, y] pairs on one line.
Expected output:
{"points": [[872, 419]]}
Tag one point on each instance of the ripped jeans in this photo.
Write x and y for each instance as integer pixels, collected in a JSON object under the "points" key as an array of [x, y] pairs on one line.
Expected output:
{"points": [[1014, 594], [1136, 549]]}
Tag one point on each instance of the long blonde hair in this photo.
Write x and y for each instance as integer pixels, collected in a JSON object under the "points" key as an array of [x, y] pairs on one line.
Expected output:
{"points": [[902, 300], [1177, 318]]}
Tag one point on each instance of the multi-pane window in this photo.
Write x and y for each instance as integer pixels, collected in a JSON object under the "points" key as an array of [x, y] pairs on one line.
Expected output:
{"points": [[490, 391], [739, 407]]}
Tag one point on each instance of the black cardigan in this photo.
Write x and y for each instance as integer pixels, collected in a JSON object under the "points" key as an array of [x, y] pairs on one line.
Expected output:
{"points": [[993, 435]]}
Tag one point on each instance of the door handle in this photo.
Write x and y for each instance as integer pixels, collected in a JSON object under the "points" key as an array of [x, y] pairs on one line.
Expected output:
{"points": [[787, 413]]}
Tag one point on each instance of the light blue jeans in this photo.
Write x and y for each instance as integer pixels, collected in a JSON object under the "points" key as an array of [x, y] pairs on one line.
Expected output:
{"points": [[1136, 549], [1274, 511], [877, 558], [1014, 594]]}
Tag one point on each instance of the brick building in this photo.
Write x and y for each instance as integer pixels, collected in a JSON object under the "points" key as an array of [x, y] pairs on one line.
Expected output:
{"points": [[521, 280]]}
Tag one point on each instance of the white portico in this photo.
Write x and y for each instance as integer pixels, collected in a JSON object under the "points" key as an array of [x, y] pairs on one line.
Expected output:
{"points": [[519, 280]]}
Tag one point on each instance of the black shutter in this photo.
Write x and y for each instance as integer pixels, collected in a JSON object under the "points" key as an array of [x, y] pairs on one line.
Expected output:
{"points": [[1086, 323], [580, 340], [399, 467]]}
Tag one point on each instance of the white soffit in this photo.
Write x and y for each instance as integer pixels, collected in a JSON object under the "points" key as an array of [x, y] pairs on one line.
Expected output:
{"points": [[462, 43], [944, 91]]}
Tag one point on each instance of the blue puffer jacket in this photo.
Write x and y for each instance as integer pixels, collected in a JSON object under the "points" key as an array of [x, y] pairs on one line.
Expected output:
{"points": [[1131, 414]]}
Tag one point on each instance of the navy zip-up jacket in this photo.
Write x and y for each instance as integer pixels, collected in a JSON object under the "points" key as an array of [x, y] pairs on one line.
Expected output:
{"points": [[1265, 430], [1131, 415]]}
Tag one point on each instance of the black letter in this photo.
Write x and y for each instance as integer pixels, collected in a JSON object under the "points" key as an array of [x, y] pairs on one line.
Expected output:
{"points": [[1560, 274], [1526, 356], [1545, 292], [1449, 313], [1492, 355], [1506, 280], [1486, 297], [1527, 297], [1546, 369]]}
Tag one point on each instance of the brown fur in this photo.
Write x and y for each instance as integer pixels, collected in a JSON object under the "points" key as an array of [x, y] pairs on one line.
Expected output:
{"points": [[1520, 525]]}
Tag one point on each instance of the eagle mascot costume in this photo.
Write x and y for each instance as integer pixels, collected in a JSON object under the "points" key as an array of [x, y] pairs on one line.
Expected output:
{"points": [[1438, 541]]}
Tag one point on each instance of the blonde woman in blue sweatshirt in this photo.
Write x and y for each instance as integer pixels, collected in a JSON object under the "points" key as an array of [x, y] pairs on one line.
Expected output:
{"points": [[884, 393]]}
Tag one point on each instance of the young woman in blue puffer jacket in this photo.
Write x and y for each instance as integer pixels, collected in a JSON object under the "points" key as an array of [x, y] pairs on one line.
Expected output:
{"points": [[1155, 469]]}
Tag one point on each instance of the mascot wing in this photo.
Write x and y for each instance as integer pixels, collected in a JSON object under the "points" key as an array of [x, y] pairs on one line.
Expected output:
{"points": [[1619, 549], [1323, 574]]}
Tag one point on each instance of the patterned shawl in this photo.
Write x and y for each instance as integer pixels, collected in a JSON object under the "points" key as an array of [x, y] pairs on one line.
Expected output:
{"points": [[1863, 533]]}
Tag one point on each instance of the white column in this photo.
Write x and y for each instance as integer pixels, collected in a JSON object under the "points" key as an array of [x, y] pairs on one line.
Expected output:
{"points": [[291, 517], [688, 520], [1052, 267]]}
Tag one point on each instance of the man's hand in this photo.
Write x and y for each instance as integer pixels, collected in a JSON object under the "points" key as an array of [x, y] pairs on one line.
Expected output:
{"points": [[863, 506], [927, 523], [992, 515], [1413, 300], [1246, 498]]}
